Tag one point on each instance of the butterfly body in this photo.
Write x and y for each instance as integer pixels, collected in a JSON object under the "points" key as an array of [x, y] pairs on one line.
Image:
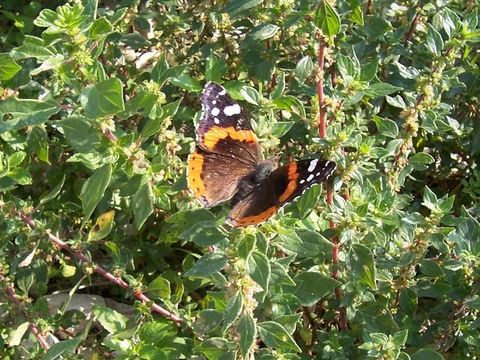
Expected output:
{"points": [[227, 163]]}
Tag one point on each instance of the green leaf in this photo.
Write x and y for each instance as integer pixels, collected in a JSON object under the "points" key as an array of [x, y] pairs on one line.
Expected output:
{"points": [[21, 113], [236, 7], [93, 190], [52, 193], [275, 336], [280, 128], [250, 95], [80, 133], [62, 348], [263, 32], [102, 227], [434, 41], [247, 332], [104, 99], [208, 264], [142, 204], [8, 67], [160, 287], [232, 310], [430, 268], [369, 71], [259, 269], [363, 266], [33, 47], [37, 140], [304, 68], [203, 233], [100, 28], [381, 89], [327, 19], [216, 67], [312, 286], [304, 243], [15, 337], [427, 354], [111, 320], [386, 127], [186, 82], [280, 88]]}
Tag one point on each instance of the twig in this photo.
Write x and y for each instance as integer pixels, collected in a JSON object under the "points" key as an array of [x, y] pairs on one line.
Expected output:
{"points": [[104, 273], [320, 94], [322, 133], [411, 29], [31, 326]]}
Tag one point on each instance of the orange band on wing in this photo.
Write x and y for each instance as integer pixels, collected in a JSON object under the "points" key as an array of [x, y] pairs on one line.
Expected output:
{"points": [[195, 166], [292, 182], [217, 133], [254, 219]]}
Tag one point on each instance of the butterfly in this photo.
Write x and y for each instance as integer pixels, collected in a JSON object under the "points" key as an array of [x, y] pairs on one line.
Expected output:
{"points": [[227, 163]]}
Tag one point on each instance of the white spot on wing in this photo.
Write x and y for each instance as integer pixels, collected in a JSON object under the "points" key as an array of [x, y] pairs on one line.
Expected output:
{"points": [[302, 181], [310, 177], [215, 111], [223, 92], [214, 102], [216, 121], [232, 110], [312, 165], [317, 174]]}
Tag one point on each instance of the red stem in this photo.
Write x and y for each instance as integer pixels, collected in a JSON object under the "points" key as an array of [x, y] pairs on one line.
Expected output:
{"points": [[104, 273], [411, 29], [322, 133], [31, 326], [320, 93]]}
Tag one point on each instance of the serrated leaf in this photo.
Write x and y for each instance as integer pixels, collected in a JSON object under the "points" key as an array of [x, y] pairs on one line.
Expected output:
{"points": [[275, 336], [142, 204], [37, 140], [208, 264], [327, 19], [312, 286], [304, 68], [232, 310], [263, 32], [259, 269], [247, 333], [111, 320], [104, 99], [93, 189], [25, 112], [386, 127], [8, 67], [280, 128], [363, 266], [160, 287]]}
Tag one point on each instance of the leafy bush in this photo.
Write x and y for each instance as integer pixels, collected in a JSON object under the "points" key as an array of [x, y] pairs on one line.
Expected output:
{"points": [[99, 107]]}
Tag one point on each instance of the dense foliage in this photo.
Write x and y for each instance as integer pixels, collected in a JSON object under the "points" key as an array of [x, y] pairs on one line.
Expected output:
{"points": [[98, 105]]}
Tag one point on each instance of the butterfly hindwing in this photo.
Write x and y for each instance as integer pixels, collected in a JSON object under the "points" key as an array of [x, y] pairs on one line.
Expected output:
{"points": [[213, 177], [280, 187]]}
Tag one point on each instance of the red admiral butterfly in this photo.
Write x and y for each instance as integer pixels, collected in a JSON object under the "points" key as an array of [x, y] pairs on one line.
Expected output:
{"points": [[228, 164]]}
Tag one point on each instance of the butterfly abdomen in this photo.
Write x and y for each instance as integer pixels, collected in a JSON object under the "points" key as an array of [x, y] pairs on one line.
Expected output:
{"points": [[248, 183]]}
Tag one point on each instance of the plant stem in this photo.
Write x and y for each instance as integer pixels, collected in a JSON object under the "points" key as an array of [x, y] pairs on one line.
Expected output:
{"points": [[31, 326], [104, 273]]}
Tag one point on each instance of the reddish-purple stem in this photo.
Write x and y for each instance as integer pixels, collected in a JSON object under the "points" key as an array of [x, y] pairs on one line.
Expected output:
{"points": [[104, 273]]}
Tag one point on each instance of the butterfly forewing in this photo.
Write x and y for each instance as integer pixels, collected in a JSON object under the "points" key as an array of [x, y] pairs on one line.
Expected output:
{"points": [[227, 148], [224, 128], [280, 187]]}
